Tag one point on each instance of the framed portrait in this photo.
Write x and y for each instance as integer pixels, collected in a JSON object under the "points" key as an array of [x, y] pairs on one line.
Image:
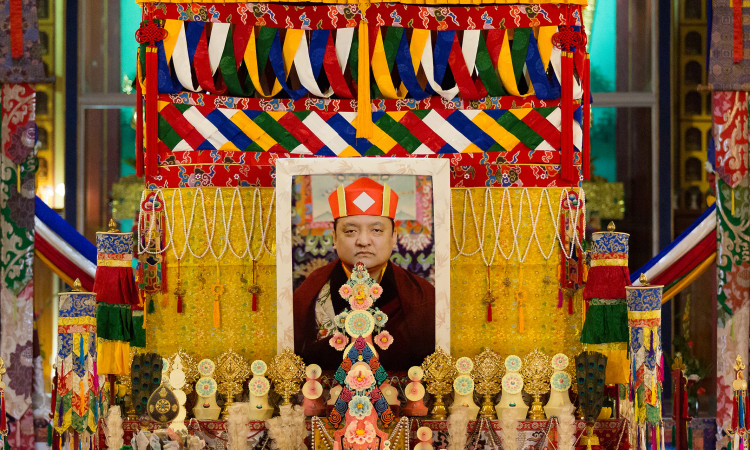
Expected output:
{"points": [[305, 237]]}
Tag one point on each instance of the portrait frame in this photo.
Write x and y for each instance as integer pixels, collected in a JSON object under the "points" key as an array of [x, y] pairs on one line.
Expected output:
{"points": [[286, 169]]}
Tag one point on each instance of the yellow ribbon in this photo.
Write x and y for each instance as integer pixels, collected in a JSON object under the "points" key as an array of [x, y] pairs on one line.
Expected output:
{"points": [[416, 48], [251, 61], [380, 69], [364, 108], [688, 280], [172, 27]]}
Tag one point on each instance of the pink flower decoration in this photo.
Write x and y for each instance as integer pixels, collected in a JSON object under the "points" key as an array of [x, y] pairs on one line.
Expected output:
{"points": [[345, 291], [376, 291], [384, 340], [360, 378], [360, 302], [359, 433], [338, 341]]}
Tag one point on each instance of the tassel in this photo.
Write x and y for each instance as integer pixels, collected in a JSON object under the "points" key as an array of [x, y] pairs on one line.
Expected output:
{"points": [[151, 306], [217, 314], [566, 111], [570, 305], [734, 413], [149, 33], [520, 319], [489, 312], [139, 126], [255, 288], [164, 300], [152, 118], [364, 110], [3, 419], [559, 298], [179, 303], [586, 150], [653, 438]]}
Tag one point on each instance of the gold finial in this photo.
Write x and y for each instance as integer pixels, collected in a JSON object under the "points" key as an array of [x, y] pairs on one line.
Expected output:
{"points": [[611, 226], [739, 365], [739, 383], [77, 285], [643, 279], [678, 364], [113, 226]]}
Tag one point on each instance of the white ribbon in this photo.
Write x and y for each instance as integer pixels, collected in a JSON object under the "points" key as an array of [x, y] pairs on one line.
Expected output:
{"points": [[429, 72], [182, 63]]}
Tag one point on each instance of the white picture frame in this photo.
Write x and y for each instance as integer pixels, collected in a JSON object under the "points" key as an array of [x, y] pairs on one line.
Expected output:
{"points": [[286, 169]]}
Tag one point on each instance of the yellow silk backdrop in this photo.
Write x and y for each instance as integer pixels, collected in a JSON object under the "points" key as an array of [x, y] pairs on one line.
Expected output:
{"points": [[253, 334], [551, 329]]}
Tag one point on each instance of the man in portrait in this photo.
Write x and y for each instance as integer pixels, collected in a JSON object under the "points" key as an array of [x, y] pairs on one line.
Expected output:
{"points": [[364, 231]]}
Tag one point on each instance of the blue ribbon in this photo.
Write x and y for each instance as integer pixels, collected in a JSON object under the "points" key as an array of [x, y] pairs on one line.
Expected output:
{"points": [[544, 88], [441, 54], [406, 71], [277, 63], [318, 42]]}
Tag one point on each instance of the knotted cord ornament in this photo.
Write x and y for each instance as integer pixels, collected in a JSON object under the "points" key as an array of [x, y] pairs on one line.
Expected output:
{"points": [[489, 298], [567, 40], [149, 34]]}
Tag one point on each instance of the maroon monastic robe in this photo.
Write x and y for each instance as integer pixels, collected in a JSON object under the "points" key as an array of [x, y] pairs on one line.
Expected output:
{"points": [[410, 310]]}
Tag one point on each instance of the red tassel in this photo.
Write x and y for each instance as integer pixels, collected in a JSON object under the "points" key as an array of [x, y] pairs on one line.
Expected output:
{"points": [[570, 305], [566, 112], [16, 29], [179, 303], [149, 33], [139, 128], [560, 298], [255, 302], [586, 150], [734, 412], [3, 419], [152, 117], [489, 312]]}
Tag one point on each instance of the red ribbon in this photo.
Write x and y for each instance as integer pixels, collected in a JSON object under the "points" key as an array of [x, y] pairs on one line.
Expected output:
{"points": [[333, 71], [139, 128], [16, 29], [586, 150], [737, 27], [567, 171], [469, 89], [202, 65]]}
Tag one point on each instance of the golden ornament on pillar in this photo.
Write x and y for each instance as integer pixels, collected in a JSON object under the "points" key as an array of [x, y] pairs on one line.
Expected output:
{"points": [[488, 374], [286, 371], [232, 371], [439, 372], [536, 372]]}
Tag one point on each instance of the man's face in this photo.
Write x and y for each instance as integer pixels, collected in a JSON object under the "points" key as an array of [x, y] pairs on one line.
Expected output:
{"points": [[369, 239]]}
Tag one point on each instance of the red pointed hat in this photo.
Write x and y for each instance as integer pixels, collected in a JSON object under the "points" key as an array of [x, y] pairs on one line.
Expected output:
{"points": [[363, 196]]}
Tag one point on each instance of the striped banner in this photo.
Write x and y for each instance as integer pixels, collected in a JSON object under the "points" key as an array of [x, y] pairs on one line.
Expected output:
{"points": [[525, 135]]}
